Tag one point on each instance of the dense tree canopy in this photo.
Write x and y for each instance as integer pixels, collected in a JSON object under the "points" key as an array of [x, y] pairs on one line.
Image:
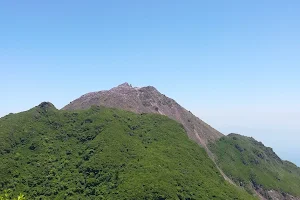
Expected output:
{"points": [[105, 153]]}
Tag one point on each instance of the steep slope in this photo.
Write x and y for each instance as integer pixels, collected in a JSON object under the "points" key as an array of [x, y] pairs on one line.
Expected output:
{"points": [[148, 100], [252, 165], [102, 153]]}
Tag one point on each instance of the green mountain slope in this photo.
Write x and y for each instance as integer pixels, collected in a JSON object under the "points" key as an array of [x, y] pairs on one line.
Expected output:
{"points": [[105, 153], [249, 163]]}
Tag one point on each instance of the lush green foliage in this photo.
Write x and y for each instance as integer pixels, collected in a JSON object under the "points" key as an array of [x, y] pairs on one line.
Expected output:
{"points": [[7, 196], [249, 163], [105, 153]]}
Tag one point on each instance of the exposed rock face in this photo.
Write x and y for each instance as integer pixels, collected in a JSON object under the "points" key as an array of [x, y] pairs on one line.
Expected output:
{"points": [[275, 195], [148, 100]]}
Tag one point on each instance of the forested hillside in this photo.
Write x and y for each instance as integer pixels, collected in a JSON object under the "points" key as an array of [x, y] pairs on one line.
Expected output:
{"points": [[103, 153], [252, 165]]}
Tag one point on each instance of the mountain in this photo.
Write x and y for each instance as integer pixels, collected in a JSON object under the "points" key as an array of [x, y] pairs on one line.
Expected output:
{"points": [[242, 161], [131, 143], [105, 153], [148, 100], [252, 165]]}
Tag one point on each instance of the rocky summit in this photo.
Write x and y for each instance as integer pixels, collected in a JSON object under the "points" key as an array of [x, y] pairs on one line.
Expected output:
{"points": [[148, 100]]}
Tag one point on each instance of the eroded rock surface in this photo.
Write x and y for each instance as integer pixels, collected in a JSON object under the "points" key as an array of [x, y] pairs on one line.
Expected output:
{"points": [[148, 100]]}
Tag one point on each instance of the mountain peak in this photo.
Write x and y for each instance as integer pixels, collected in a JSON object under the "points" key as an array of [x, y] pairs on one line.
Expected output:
{"points": [[148, 100], [125, 85]]}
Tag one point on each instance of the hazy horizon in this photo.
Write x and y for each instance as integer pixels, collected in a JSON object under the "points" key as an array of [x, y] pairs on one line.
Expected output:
{"points": [[233, 64]]}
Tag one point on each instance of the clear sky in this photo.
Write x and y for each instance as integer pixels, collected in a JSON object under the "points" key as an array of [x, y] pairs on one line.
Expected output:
{"points": [[235, 64]]}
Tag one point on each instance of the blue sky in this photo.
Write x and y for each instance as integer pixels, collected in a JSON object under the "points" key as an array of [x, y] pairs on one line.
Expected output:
{"points": [[235, 64]]}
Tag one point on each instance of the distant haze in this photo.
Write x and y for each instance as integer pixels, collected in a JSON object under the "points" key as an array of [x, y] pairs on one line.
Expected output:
{"points": [[278, 129]]}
